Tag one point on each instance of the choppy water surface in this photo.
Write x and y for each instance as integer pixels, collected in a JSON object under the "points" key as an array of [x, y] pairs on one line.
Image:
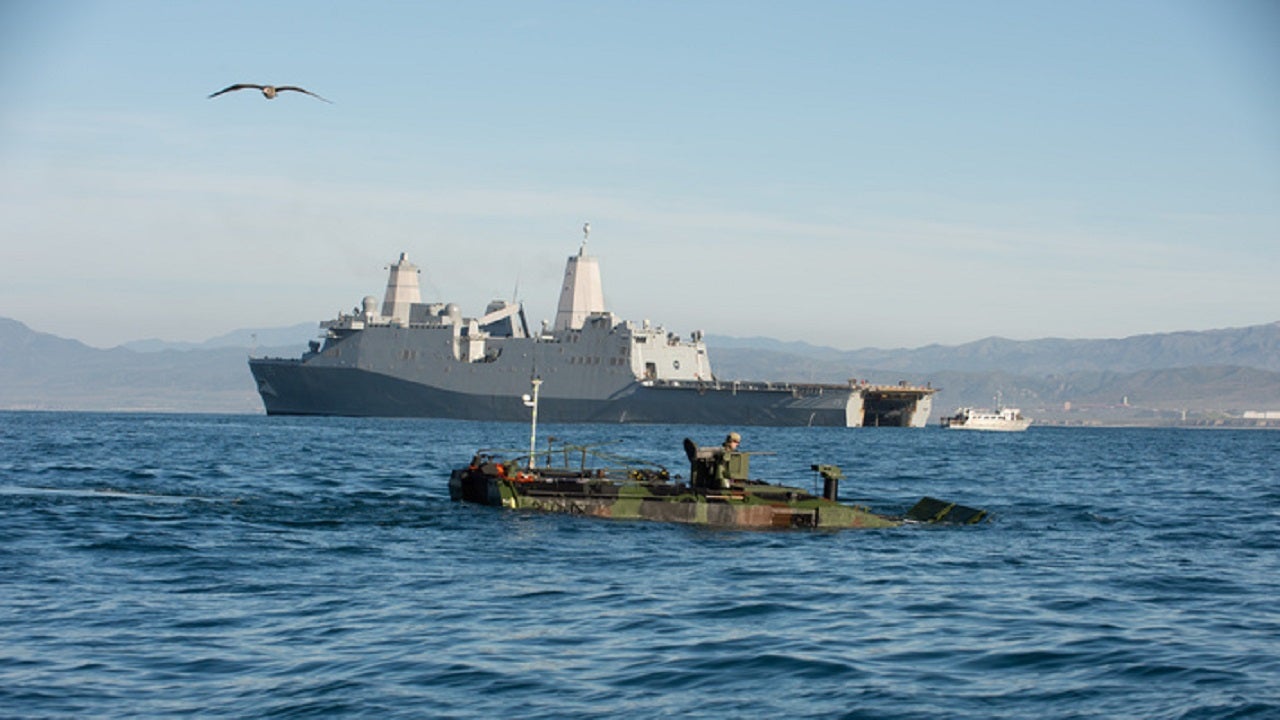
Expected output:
{"points": [[155, 566]]}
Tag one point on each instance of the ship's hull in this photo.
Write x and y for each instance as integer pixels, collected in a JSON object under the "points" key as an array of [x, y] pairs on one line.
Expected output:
{"points": [[294, 387]]}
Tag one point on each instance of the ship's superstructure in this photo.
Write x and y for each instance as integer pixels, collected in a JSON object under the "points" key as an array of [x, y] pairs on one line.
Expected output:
{"points": [[416, 359]]}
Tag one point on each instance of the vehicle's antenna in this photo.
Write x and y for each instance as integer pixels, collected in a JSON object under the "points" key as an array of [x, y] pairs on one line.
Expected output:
{"points": [[532, 402]]}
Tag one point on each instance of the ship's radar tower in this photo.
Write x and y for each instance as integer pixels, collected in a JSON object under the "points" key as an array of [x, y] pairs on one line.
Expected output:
{"points": [[582, 293], [402, 290]]}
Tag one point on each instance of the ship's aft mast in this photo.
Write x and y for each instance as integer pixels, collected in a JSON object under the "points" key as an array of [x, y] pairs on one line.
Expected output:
{"points": [[402, 290], [582, 293]]}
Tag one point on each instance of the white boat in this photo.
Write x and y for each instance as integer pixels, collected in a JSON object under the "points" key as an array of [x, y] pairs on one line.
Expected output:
{"points": [[1002, 419]]}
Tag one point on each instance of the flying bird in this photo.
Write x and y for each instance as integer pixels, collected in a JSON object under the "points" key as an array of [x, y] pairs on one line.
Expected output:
{"points": [[269, 91]]}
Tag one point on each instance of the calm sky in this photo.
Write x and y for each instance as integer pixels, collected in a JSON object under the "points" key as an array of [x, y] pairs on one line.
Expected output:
{"points": [[853, 174]]}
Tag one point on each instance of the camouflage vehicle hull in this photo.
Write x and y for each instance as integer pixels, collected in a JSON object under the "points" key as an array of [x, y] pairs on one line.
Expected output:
{"points": [[650, 494]]}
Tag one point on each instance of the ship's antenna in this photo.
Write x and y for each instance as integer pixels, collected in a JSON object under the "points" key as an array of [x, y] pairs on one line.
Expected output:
{"points": [[586, 232]]}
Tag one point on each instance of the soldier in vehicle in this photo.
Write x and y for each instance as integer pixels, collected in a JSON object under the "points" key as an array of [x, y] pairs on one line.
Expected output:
{"points": [[716, 467], [732, 442], [731, 464]]}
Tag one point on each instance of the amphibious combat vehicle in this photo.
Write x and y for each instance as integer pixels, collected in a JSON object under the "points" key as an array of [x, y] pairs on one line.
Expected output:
{"points": [[580, 480]]}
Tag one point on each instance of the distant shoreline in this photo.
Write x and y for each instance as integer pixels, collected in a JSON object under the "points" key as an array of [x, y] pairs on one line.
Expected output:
{"points": [[1224, 424], [1216, 424]]}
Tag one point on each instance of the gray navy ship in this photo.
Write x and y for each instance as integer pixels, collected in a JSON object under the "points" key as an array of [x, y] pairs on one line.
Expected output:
{"points": [[408, 358]]}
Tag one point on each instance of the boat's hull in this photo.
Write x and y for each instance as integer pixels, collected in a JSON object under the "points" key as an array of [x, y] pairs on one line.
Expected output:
{"points": [[662, 503], [294, 387]]}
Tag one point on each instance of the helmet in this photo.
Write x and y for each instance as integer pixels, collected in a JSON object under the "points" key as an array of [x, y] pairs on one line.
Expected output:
{"points": [[733, 437]]}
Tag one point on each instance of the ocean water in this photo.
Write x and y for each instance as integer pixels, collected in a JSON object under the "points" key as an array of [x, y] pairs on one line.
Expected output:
{"points": [[245, 566]]}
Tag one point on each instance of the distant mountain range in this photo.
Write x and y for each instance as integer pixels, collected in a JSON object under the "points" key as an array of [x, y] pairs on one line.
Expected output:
{"points": [[39, 371], [1155, 375], [1140, 377], [1255, 347], [245, 338]]}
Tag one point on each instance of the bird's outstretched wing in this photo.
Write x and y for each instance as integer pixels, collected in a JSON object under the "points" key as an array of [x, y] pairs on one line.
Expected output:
{"points": [[237, 86], [295, 88]]}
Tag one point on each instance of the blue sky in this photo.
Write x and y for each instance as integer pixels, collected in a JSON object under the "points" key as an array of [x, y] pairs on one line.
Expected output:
{"points": [[853, 174]]}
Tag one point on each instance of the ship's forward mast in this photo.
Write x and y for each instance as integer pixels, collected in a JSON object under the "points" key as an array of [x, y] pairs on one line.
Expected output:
{"points": [[582, 293], [402, 291]]}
